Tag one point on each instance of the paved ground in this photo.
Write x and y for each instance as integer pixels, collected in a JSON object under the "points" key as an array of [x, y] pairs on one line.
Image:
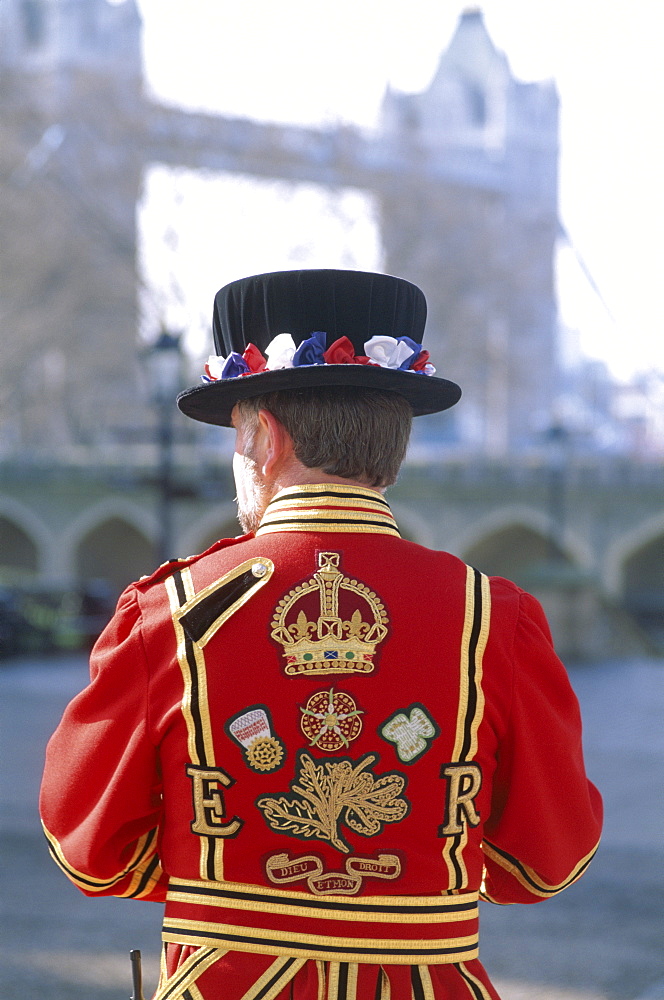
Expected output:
{"points": [[603, 939]]}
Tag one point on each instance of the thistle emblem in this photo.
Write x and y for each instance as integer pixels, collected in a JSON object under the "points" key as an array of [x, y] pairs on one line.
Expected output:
{"points": [[325, 795], [330, 624]]}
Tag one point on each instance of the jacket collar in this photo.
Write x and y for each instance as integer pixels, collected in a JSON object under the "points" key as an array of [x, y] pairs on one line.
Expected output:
{"points": [[329, 507]]}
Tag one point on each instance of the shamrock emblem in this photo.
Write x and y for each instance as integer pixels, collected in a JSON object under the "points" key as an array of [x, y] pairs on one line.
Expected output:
{"points": [[410, 729]]}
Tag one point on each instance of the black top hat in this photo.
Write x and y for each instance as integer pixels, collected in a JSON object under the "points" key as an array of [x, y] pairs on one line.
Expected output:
{"points": [[291, 329]]}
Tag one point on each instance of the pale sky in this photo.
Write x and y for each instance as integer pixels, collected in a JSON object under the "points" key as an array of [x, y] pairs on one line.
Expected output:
{"points": [[320, 62]]}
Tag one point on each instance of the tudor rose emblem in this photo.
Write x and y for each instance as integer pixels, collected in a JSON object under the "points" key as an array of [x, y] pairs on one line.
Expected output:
{"points": [[330, 624]]}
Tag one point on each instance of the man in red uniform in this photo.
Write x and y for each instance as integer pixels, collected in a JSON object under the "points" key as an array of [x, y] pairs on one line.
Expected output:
{"points": [[319, 743]]}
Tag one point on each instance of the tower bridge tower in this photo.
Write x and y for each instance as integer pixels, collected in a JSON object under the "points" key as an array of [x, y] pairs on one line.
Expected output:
{"points": [[464, 174], [70, 168], [476, 220]]}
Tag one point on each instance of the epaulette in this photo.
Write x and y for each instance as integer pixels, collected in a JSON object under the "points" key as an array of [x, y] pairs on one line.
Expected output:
{"points": [[171, 565]]}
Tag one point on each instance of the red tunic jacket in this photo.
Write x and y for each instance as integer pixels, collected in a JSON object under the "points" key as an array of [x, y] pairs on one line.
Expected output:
{"points": [[326, 742]]}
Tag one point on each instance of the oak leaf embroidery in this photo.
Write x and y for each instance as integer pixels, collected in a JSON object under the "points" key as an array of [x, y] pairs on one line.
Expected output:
{"points": [[324, 795]]}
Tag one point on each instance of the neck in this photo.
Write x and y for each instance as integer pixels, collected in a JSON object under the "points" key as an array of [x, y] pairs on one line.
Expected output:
{"points": [[293, 473], [302, 476], [293, 476]]}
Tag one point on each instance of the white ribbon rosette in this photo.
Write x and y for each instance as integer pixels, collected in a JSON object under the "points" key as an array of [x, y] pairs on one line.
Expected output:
{"points": [[214, 366], [280, 351], [388, 352]]}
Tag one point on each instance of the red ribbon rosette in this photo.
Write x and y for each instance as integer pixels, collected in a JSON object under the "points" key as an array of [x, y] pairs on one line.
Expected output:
{"points": [[254, 359], [341, 352], [420, 362]]}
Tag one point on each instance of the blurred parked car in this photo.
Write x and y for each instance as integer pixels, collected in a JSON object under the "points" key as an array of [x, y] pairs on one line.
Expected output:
{"points": [[38, 619]]}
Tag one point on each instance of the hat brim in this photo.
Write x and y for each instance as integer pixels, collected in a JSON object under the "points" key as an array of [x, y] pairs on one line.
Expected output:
{"points": [[213, 402]]}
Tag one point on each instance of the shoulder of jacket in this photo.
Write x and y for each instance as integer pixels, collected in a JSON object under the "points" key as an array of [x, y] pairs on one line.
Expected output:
{"points": [[502, 587], [511, 603], [173, 565]]}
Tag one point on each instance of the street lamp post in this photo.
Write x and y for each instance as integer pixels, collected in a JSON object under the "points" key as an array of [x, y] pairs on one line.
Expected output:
{"points": [[163, 359], [557, 438]]}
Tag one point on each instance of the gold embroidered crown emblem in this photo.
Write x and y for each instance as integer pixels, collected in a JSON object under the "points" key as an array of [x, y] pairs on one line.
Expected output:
{"points": [[343, 636]]}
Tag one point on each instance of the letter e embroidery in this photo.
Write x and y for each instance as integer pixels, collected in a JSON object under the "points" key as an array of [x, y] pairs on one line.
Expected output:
{"points": [[209, 806]]}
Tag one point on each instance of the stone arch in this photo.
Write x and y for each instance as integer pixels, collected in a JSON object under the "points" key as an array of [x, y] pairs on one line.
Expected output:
{"points": [[114, 552], [112, 540], [515, 543], [535, 526], [220, 522], [625, 548], [514, 551], [25, 541], [19, 556], [637, 574], [138, 516]]}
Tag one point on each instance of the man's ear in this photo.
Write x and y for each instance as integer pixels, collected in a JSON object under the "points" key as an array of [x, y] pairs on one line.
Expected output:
{"points": [[277, 444]]}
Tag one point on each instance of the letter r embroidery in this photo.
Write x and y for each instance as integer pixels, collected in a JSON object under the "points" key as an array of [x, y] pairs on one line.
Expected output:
{"points": [[464, 782]]}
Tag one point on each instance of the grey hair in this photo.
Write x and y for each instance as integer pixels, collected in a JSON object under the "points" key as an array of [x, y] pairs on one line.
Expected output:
{"points": [[353, 433]]}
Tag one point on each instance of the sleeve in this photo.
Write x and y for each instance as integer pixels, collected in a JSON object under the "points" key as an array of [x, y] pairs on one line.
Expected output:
{"points": [[100, 798], [546, 816]]}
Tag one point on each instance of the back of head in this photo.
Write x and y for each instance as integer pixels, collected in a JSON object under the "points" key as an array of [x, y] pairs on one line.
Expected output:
{"points": [[354, 433]]}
